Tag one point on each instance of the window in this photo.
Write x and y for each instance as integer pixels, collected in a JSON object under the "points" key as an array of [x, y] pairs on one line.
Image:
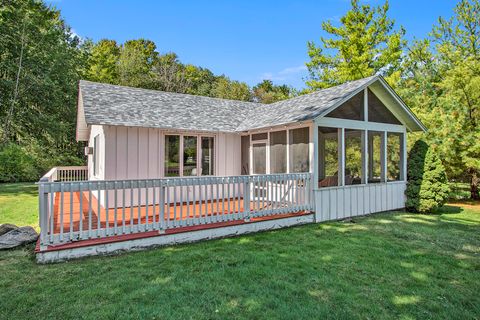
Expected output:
{"points": [[394, 156], [197, 157], [189, 156], [245, 155], [299, 150], [172, 156], [259, 136], [259, 158], [374, 157], [328, 157], [96, 155], [353, 157], [278, 152], [207, 161]]}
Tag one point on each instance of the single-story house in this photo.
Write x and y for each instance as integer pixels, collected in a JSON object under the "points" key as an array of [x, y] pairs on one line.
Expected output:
{"points": [[201, 167]]}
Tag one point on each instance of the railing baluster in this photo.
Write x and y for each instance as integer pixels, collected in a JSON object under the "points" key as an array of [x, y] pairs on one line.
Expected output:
{"points": [[174, 203], [194, 195], [71, 212], [168, 204], [147, 225], [228, 199], [80, 219], [99, 209], [89, 210], [130, 230], [154, 204], [61, 211], [107, 209], [139, 206], [123, 206], [115, 209], [181, 202], [52, 213], [223, 199]]}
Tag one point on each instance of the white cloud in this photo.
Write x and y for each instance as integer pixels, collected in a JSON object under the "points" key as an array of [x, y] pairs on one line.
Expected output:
{"points": [[284, 74]]}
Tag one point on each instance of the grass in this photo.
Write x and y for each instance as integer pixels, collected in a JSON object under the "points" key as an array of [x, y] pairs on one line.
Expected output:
{"points": [[19, 204], [385, 266]]}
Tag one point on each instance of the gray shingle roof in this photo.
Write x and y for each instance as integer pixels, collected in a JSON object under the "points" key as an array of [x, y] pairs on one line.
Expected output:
{"points": [[117, 105]]}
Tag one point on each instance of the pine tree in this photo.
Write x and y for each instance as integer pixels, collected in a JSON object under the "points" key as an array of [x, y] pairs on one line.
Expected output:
{"points": [[364, 44], [427, 186]]}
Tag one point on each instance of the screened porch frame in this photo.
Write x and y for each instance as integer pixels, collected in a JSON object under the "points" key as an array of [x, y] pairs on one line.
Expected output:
{"points": [[364, 126]]}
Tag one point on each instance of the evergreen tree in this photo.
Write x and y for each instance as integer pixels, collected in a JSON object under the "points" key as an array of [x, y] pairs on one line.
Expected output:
{"points": [[441, 83], [364, 44], [427, 186]]}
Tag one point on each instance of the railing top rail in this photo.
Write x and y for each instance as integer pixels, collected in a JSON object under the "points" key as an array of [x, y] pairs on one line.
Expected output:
{"points": [[52, 174], [49, 176], [72, 168], [201, 179]]}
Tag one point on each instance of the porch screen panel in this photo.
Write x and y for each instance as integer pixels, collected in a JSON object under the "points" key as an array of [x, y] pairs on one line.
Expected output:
{"points": [[208, 156], [172, 156], [259, 158], [278, 152], [328, 157], [394, 154], [245, 155], [299, 150], [378, 112], [353, 157], [189, 156], [374, 157]]}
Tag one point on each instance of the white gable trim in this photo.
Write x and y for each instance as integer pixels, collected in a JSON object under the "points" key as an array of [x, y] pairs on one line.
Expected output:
{"points": [[402, 104], [391, 92], [82, 131]]}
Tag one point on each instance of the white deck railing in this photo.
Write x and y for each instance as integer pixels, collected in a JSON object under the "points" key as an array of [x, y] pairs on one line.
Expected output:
{"points": [[73, 173], [79, 210]]}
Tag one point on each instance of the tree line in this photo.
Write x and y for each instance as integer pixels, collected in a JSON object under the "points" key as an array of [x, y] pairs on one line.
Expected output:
{"points": [[41, 61]]}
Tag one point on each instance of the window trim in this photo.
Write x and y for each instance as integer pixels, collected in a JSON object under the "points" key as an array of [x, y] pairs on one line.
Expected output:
{"points": [[96, 155], [267, 141], [199, 152]]}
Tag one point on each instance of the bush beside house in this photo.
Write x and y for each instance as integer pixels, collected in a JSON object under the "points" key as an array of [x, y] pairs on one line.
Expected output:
{"points": [[427, 187]]}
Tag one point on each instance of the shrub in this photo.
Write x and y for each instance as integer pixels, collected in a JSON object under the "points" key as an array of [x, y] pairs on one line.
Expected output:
{"points": [[427, 186], [17, 164]]}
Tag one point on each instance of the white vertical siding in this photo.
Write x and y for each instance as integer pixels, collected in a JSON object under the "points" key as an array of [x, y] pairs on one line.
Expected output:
{"points": [[343, 202], [137, 153]]}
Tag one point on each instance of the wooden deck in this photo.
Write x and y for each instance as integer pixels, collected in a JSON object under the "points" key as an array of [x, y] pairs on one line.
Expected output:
{"points": [[76, 217], [215, 213]]}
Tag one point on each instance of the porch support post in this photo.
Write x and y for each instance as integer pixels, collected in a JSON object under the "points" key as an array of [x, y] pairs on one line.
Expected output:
{"points": [[365, 105], [315, 168], [384, 156], [43, 212], [403, 158], [341, 156], [364, 144], [246, 198]]}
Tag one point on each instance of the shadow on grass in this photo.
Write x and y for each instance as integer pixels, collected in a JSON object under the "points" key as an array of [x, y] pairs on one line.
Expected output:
{"points": [[29, 188]]}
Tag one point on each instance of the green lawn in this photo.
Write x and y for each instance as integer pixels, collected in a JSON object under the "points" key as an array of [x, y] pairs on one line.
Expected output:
{"points": [[19, 204], [386, 266]]}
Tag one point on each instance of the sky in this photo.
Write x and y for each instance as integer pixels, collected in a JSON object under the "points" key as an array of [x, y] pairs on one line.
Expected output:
{"points": [[245, 40]]}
